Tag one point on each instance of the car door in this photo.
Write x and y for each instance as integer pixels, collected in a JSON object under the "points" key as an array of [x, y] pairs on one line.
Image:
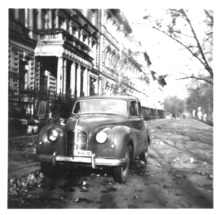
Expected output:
{"points": [[136, 123]]}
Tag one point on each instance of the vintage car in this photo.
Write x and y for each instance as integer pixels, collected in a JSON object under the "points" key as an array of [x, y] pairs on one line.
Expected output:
{"points": [[102, 131]]}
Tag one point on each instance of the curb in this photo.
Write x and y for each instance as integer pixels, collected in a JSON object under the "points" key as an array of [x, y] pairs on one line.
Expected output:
{"points": [[206, 122]]}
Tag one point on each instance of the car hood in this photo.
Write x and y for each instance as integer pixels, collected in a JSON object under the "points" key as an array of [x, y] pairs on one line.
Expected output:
{"points": [[90, 122]]}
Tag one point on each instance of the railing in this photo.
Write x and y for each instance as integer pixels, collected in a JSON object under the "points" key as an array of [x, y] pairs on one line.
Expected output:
{"points": [[52, 35]]}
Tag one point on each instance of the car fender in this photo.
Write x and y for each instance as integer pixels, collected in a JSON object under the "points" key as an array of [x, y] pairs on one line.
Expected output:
{"points": [[45, 146], [122, 136], [148, 139]]}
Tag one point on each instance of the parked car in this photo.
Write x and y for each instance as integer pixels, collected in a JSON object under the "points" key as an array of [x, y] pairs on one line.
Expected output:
{"points": [[102, 131]]}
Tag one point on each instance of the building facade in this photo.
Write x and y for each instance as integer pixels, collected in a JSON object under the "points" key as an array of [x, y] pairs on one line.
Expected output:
{"points": [[57, 55]]}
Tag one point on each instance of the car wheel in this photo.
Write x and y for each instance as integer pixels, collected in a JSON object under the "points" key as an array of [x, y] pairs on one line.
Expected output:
{"points": [[120, 173], [49, 170], [148, 139], [144, 156]]}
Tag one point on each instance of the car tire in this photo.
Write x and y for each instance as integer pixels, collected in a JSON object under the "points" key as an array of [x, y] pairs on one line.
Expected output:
{"points": [[49, 170], [144, 156], [148, 139], [120, 173]]}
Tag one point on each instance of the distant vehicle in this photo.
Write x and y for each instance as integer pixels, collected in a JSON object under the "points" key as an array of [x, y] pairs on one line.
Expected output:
{"points": [[102, 131]]}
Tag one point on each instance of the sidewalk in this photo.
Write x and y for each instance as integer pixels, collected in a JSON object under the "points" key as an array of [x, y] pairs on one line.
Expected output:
{"points": [[21, 156]]}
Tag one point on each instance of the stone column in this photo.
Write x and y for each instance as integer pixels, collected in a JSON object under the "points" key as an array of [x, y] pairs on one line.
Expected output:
{"points": [[73, 79], [65, 25], [64, 76], [60, 76], [78, 82], [26, 17], [80, 34], [31, 22], [47, 73], [56, 19], [70, 29], [17, 14], [26, 77], [50, 18], [89, 41], [88, 83], [96, 86], [100, 86], [39, 19], [85, 82]]}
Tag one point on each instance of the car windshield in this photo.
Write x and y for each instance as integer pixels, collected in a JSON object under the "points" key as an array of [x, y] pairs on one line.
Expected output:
{"points": [[107, 106]]}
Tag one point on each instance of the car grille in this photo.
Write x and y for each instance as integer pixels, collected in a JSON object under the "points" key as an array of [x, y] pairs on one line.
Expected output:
{"points": [[78, 141]]}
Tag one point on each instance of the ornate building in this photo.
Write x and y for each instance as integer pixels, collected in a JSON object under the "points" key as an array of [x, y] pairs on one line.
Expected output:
{"points": [[120, 71], [57, 55], [52, 53]]}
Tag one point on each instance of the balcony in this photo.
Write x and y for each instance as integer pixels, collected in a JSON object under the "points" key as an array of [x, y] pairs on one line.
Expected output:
{"points": [[63, 38]]}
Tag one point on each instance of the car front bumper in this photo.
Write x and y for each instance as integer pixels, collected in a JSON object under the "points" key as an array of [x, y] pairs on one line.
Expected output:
{"points": [[93, 160]]}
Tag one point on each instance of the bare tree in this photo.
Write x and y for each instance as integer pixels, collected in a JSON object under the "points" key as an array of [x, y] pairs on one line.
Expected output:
{"points": [[201, 96], [120, 65], [199, 44], [174, 105]]}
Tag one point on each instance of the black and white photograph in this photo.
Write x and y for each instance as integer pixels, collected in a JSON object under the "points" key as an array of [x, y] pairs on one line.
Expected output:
{"points": [[109, 107]]}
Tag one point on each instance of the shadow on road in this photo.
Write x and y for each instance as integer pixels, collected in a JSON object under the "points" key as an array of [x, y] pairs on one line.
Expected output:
{"points": [[180, 181]]}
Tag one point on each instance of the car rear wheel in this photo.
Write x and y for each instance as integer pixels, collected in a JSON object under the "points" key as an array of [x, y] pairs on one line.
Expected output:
{"points": [[49, 170], [120, 173]]}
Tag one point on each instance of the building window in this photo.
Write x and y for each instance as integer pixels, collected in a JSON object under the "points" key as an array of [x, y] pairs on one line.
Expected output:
{"points": [[92, 84]]}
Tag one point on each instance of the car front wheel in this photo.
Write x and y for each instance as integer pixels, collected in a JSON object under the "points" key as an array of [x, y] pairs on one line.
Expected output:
{"points": [[144, 156], [120, 173]]}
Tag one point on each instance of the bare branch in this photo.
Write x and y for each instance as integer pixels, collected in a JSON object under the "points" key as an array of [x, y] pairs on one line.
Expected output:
{"points": [[186, 47], [195, 48], [185, 35], [207, 67], [209, 15], [197, 78]]}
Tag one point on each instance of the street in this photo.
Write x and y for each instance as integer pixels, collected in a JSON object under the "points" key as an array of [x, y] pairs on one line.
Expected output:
{"points": [[179, 174]]}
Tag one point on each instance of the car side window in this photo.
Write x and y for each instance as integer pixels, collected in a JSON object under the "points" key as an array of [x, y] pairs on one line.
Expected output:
{"points": [[77, 108], [139, 109], [133, 108]]}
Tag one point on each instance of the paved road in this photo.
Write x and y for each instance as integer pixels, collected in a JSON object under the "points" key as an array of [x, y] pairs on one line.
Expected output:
{"points": [[179, 174]]}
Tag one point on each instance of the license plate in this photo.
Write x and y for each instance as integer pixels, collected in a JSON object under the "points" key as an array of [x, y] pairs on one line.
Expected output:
{"points": [[82, 153]]}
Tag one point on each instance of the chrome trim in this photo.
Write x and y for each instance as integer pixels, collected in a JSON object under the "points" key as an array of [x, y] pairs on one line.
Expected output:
{"points": [[82, 131], [75, 132], [94, 161]]}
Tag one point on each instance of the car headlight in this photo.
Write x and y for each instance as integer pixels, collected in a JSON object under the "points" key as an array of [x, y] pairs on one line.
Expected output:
{"points": [[53, 135], [101, 137]]}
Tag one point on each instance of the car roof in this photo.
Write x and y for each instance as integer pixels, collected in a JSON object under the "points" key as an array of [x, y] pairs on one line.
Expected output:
{"points": [[108, 97]]}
